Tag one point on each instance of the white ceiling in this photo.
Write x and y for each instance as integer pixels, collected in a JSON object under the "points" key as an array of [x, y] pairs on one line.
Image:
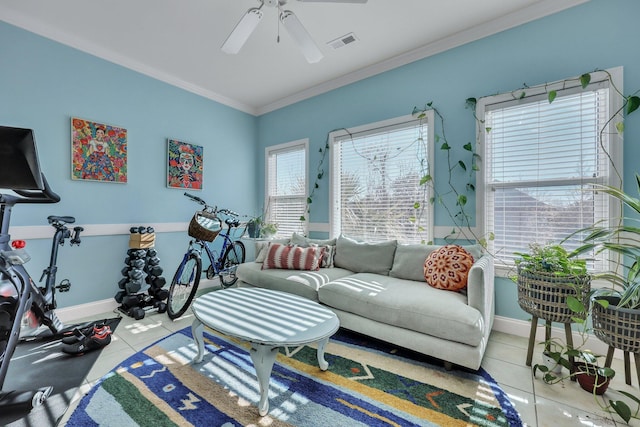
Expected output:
{"points": [[178, 41]]}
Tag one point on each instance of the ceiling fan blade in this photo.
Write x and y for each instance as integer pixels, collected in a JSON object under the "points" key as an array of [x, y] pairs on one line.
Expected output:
{"points": [[300, 35], [242, 31], [334, 1]]}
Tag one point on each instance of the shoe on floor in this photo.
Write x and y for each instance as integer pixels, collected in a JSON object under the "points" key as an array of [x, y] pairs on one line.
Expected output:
{"points": [[95, 341], [79, 334]]}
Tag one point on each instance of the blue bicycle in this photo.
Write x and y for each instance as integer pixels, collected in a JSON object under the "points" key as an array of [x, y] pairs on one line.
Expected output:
{"points": [[205, 226]]}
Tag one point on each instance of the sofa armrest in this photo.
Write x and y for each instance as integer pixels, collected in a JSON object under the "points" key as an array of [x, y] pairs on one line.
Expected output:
{"points": [[480, 289]]}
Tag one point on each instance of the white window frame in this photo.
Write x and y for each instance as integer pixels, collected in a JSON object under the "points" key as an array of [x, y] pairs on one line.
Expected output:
{"points": [[360, 131], [279, 148], [615, 149]]}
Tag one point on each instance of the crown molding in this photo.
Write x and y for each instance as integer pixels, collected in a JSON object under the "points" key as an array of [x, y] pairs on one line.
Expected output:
{"points": [[514, 19], [531, 13]]}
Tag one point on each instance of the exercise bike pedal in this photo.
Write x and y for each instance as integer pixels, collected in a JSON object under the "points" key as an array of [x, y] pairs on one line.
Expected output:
{"points": [[64, 286], [24, 399]]}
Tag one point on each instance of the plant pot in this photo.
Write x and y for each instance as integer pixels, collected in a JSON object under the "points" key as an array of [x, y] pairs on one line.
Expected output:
{"points": [[590, 382], [554, 367], [253, 230], [544, 295], [615, 326]]}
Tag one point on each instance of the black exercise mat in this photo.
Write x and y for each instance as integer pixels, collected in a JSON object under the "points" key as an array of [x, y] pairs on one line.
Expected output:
{"points": [[39, 363]]}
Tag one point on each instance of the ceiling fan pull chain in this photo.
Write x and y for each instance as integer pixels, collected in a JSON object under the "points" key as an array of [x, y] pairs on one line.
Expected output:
{"points": [[278, 19]]}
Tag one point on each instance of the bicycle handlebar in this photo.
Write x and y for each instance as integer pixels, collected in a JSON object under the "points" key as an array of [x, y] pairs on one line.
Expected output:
{"points": [[214, 209]]}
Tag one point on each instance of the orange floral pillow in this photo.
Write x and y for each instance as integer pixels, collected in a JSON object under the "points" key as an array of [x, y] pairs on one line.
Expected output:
{"points": [[448, 268]]}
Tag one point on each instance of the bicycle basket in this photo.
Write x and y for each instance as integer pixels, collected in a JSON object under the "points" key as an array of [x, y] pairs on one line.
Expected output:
{"points": [[204, 226]]}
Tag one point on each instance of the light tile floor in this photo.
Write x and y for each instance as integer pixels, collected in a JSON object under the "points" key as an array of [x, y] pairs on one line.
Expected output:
{"points": [[539, 404]]}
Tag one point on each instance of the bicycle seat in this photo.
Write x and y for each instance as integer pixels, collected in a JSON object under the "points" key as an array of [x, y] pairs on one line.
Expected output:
{"points": [[232, 222], [61, 219]]}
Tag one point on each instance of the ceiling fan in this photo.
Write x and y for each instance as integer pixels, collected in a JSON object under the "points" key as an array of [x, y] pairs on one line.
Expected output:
{"points": [[294, 27]]}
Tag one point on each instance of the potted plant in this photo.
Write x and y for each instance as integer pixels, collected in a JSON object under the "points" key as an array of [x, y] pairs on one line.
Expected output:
{"points": [[547, 275], [582, 364], [616, 319], [253, 227]]}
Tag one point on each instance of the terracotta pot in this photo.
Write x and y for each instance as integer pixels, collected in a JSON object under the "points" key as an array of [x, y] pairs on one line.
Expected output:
{"points": [[588, 381]]}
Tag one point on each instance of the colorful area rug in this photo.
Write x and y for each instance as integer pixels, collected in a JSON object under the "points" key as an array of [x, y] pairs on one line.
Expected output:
{"points": [[367, 384]]}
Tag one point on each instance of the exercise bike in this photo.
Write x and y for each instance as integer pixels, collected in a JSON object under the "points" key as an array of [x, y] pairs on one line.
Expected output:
{"points": [[20, 298]]}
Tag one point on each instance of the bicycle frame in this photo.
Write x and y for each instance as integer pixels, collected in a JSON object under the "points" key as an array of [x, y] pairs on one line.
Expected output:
{"points": [[196, 246]]}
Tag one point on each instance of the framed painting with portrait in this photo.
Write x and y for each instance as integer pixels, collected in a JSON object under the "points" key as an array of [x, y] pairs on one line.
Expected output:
{"points": [[184, 165], [98, 151]]}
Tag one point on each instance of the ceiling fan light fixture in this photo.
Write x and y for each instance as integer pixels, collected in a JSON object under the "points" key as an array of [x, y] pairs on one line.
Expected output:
{"points": [[300, 35], [242, 31]]}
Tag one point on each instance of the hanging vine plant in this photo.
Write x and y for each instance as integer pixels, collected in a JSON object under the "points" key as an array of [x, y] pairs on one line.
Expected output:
{"points": [[466, 165]]}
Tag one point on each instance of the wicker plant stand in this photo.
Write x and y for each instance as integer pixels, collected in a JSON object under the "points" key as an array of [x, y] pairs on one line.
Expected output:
{"points": [[619, 328], [544, 296]]}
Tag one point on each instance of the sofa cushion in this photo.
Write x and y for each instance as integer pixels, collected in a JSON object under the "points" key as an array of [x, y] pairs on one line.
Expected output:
{"points": [[408, 262], [407, 304], [293, 257], [448, 268], [302, 283], [262, 245], [300, 240], [362, 257], [329, 246]]}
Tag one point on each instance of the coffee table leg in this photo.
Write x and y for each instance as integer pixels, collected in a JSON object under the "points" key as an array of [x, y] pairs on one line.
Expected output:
{"points": [[197, 330], [324, 365], [263, 357]]}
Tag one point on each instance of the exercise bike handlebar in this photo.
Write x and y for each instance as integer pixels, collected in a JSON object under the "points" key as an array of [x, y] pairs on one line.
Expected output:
{"points": [[46, 195]]}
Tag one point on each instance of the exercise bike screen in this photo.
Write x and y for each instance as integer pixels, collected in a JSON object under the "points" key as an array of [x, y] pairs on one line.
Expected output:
{"points": [[19, 166]]}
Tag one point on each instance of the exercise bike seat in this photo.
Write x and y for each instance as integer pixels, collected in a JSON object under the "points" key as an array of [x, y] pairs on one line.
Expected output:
{"points": [[61, 219]]}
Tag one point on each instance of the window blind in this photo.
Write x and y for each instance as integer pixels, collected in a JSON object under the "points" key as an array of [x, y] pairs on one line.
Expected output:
{"points": [[287, 188], [541, 160], [376, 191]]}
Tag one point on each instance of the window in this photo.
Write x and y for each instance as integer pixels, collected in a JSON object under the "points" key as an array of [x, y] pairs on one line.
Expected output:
{"points": [[375, 181], [286, 186], [540, 161]]}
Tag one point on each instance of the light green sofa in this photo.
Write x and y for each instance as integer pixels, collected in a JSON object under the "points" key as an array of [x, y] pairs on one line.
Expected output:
{"points": [[379, 290]]}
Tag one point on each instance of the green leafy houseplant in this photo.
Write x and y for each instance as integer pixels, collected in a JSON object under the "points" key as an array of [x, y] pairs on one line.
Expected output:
{"points": [[580, 363], [622, 240], [551, 258]]}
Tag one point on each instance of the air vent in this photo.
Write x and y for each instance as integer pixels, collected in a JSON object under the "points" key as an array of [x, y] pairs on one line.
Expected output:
{"points": [[343, 41]]}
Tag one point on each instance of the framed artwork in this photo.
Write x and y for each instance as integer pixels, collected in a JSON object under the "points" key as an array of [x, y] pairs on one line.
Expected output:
{"points": [[98, 151], [185, 165]]}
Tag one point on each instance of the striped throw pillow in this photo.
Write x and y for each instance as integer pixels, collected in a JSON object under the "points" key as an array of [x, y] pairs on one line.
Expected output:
{"points": [[293, 257]]}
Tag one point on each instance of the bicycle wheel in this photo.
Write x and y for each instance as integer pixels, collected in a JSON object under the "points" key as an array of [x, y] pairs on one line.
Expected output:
{"points": [[233, 256], [184, 285]]}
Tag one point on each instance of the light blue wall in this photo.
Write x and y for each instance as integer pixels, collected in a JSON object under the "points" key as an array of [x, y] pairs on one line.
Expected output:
{"points": [[596, 35], [43, 84]]}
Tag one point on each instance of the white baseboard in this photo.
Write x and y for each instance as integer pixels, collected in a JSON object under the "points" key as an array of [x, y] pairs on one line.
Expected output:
{"points": [[82, 311]]}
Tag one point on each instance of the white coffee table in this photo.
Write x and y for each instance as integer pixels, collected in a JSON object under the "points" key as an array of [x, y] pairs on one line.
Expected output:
{"points": [[267, 320]]}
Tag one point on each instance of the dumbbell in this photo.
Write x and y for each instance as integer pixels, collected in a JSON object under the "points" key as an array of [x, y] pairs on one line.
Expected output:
{"points": [[137, 263], [154, 260], [161, 306], [155, 270], [159, 294], [129, 301], [133, 287], [136, 274], [120, 296], [136, 312], [136, 253]]}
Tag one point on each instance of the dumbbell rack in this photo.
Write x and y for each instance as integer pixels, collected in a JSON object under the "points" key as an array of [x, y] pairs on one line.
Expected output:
{"points": [[141, 288]]}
